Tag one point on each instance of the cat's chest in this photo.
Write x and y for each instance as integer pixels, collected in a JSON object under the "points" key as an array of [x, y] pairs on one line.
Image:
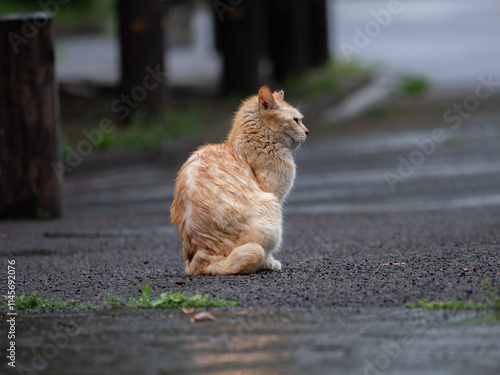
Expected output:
{"points": [[288, 178], [277, 176]]}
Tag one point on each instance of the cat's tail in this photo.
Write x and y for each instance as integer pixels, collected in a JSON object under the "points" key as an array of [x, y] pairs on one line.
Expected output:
{"points": [[246, 258]]}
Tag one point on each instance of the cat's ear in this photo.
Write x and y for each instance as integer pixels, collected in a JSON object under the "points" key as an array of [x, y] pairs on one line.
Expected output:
{"points": [[266, 98], [279, 95]]}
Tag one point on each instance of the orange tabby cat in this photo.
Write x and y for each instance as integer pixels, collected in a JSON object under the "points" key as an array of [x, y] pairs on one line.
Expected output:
{"points": [[228, 197]]}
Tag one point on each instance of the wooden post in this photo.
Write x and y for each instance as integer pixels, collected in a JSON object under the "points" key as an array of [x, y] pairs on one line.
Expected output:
{"points": [[318, 32], [241, 34], [288, 33], [142, 54], [299, 36], [29, 116]]}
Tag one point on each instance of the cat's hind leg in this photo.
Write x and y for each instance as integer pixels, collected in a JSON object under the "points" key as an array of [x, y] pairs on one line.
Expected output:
{"points": [[246, 258]]}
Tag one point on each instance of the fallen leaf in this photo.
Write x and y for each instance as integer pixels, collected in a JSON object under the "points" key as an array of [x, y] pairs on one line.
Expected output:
{"points": [[325, 258], [185, 310], [204, 316], [463, 269], [393, 264], [301, 262]]}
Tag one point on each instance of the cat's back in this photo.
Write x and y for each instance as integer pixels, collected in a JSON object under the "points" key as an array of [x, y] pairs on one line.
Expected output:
{"points": [[215, 181], [215, 165]]}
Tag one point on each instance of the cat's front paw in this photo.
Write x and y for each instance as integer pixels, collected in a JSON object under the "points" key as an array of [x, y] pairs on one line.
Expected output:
{"points": [[276, 265], [271, 264]]}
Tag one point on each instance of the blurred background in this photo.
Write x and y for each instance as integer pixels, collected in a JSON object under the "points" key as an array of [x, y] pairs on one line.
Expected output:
{"points": [[352, 67], [217, 51]]}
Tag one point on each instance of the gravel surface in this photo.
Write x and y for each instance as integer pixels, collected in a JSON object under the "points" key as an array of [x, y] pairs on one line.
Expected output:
{"points": [[366, 259], [348, 239]]}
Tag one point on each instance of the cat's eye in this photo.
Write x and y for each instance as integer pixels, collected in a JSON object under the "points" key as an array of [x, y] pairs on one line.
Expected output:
{"points": [[297, 120]]}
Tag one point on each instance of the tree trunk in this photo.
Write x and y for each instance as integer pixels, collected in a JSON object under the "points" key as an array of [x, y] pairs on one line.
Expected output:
{"points": [[318, 32], [29, 116], [241, 33], [142, 55], [288, 34]]}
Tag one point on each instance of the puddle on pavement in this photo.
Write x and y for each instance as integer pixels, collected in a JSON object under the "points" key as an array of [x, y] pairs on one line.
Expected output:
{"points": [[351, 341]]}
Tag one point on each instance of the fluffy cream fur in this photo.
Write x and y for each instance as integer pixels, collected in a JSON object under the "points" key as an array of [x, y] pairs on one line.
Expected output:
{"points": [[228, 197]]}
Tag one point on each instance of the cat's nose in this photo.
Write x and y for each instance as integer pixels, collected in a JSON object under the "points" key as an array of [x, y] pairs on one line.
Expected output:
{"points": [[306, 130]]}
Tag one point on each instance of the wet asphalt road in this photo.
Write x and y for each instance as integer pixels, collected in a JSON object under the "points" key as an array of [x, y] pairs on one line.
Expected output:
{"points": [[262, 341], [354, 251]]}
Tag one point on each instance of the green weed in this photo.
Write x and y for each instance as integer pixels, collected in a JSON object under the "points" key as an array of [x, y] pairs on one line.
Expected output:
{"points": [[327, 78], [27, 301], [166, 300], [90, 14], [438, 305], [31, 301], [42, 214], [147, 131], [491, 301], [491, 296], [412, 85]]}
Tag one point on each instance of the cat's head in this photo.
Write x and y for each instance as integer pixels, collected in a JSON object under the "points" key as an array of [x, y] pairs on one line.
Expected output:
{"points": [[283, 121]]}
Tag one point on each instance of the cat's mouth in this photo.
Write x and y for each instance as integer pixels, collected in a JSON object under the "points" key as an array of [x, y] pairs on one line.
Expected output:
{"points": [[298, 140]]}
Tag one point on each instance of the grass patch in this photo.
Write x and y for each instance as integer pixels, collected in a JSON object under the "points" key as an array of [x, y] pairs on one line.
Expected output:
{"points": [[438, 305], [166, 300], [451, 142], [328, 78], [42, 214], [490, 296], [412, 86], [28, 301], [146, 131], [74, 15], [378, 113], [143, 131]]}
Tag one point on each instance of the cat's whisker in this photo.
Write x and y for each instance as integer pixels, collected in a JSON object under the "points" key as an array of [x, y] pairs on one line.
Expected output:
{"points": [[302, 106]]}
